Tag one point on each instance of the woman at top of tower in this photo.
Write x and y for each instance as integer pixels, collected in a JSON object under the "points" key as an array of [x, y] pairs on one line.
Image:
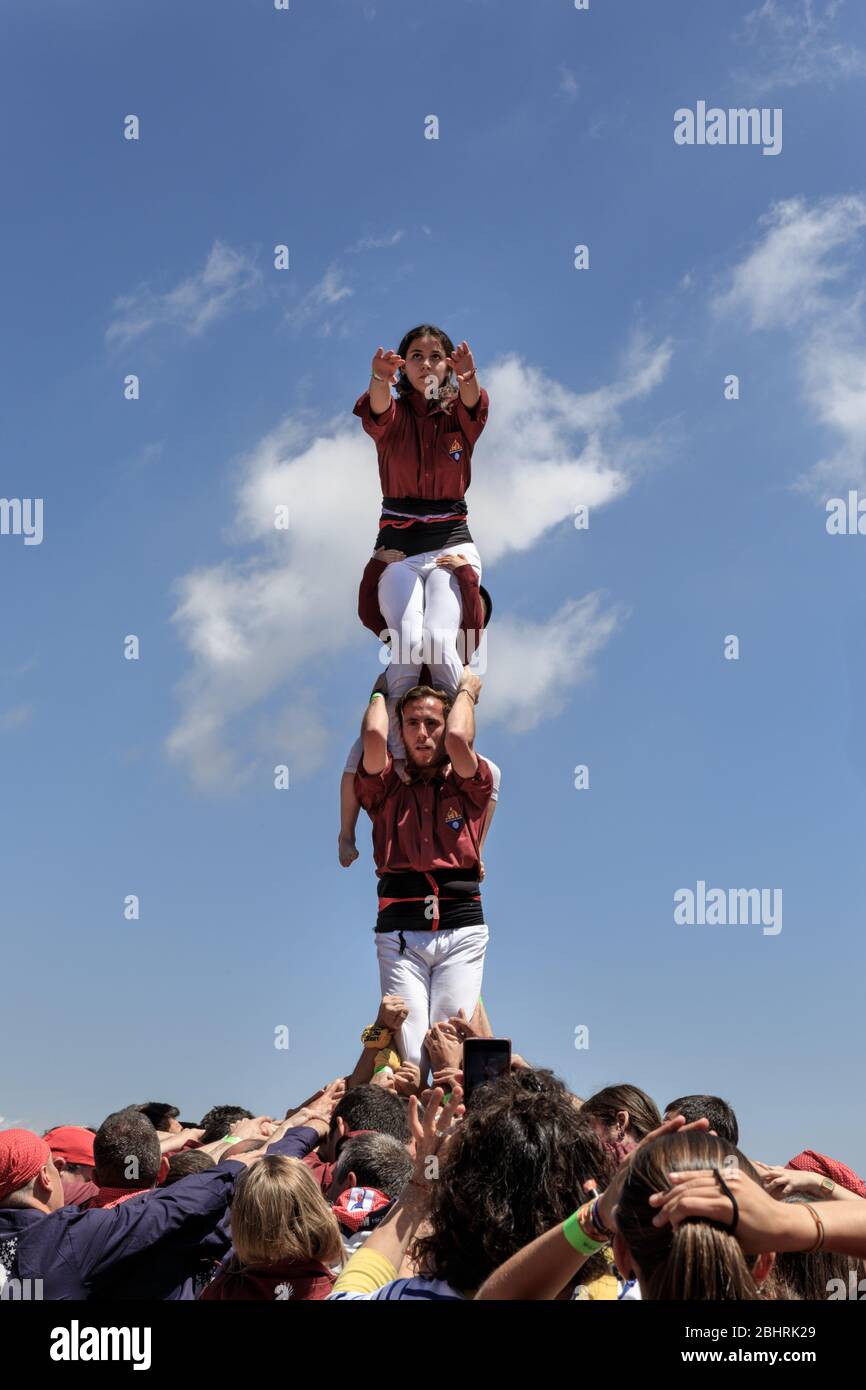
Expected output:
{"points": [[424, 439]]}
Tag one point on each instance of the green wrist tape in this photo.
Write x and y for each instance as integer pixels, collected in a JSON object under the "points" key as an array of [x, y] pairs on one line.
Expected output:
{"points": [[577, 1238], [231, 1139]]}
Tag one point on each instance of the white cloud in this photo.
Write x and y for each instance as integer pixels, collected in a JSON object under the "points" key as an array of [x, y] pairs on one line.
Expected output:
{"points": [[795, 45], [532, 667], [372, 243], [193, 305], [800, 277], [834, 378], [295, 734], [266, 624], [784, 279], [529, 471], [318, 299]]}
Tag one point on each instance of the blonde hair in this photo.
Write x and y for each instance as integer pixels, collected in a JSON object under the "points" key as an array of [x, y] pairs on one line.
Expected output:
{"points": [[279, 1213]]}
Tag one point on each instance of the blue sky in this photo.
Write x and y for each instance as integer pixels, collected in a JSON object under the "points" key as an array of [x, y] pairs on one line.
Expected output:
{"points": [[707, 518]]}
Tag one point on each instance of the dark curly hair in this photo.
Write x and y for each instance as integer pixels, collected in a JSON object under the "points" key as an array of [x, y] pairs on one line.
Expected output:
{"points": [[516, 1167], [449, 389]]}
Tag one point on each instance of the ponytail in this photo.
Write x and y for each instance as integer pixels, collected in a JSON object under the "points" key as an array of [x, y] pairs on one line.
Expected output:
{"points": [[703, 1264], [698, 1260]]}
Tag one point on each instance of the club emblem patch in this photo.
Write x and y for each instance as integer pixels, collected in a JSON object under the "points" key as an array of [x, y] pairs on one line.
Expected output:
{"points": [[454, 818], [455, 451]]}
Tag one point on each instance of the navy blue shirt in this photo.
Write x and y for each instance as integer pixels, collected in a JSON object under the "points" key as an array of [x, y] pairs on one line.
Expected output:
{"points": [[153, 1246]]}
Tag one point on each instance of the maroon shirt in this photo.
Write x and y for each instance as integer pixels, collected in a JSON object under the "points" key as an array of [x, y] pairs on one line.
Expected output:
{"points": [[300, 1280], [472, 620], [424, 452], [424, 824]]}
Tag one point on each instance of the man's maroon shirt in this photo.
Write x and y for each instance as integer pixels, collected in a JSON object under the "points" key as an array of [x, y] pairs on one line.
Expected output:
{"points": [[424, 824]]}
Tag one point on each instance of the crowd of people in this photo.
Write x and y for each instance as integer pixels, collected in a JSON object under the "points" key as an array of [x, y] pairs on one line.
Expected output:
{"points": [[380, 1186]]}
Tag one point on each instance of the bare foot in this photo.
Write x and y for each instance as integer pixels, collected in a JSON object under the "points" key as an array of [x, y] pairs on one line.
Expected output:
{"points": [[347, 851]]}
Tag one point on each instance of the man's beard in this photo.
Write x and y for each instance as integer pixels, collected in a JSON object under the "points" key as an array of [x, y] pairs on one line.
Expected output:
{"points": [[439, 757]]}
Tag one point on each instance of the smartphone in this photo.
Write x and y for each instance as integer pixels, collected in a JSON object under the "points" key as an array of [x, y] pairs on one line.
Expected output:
{"points": [[484, 1059]]}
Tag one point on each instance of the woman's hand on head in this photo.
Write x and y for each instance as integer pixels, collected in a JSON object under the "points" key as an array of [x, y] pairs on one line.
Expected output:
{"points": [[761, 1220]]}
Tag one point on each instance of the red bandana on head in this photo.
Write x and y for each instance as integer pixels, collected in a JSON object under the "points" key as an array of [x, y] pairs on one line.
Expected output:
{"points": [[22, 1154], [361, 1208]]}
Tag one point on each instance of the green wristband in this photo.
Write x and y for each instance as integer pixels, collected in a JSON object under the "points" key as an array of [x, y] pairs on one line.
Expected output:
{"points": [[231, 1139], [578, 1239], [375, 693]]}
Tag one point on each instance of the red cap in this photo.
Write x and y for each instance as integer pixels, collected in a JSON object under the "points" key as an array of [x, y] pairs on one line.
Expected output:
{"points": [[22, 1154], [72, 1143]]}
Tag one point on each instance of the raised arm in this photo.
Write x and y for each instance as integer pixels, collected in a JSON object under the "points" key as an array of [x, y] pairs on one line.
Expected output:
{"points": [[762, 1222], [393, 1012], [467, 376], [374, 732], [390, 1241], [460, 726], [538, 1271], [383, 374]]}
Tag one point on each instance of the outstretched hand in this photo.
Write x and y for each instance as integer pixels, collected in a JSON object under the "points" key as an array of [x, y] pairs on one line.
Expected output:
{"points": [[387, 363], [434, 1136], [462, 362]]}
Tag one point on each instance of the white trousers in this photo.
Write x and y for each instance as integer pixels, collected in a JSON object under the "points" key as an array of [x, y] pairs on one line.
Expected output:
{"points": [[438, 974], [422, 605]]}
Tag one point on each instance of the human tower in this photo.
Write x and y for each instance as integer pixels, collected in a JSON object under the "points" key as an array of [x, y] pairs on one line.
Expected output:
{"points": [[414, 768]]}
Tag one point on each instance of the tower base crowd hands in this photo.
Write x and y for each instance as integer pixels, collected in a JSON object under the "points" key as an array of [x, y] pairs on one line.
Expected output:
{"points": [[380, 1187]]}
